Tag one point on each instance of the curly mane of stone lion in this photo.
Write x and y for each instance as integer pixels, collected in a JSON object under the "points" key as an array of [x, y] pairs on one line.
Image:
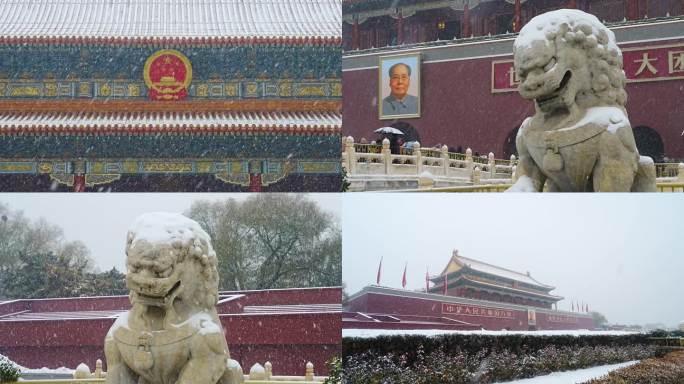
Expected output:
{"points": [[172, 334], [579, 138], [190, 243], [576, 29]]}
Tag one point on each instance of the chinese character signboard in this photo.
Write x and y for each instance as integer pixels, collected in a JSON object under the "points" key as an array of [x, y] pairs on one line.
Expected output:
{"points": [[562, 319], [654, 63], [664, 62], [472, 310], [504, 78]]}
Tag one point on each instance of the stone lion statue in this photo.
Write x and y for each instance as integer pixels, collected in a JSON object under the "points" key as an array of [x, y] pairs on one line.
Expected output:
{"points": [[579, 139], [172, 334]]}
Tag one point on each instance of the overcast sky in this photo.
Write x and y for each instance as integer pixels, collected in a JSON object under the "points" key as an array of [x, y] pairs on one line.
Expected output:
{"points": [[101, 221], [622, 254]]}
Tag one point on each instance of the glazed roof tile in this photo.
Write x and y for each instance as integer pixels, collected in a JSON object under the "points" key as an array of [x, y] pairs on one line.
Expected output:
{"points": [[324, 121], [489, 269], [499, 271], [188, 19]]}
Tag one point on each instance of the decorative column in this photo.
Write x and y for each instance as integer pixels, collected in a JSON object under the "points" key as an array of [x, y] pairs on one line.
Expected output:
{"points": [[465, 23], [355, 34], [79, 183], [400, 28], [632, 9], [517, 19], [79, 176], [255, 182], [255, 171]]}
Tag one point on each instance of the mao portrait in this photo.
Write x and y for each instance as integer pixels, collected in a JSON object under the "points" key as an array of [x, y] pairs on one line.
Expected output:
{"points": [[399, 90]]}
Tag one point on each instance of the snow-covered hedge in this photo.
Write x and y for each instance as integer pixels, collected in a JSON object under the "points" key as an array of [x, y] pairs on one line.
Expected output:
{"points": [[456, 359], [665, 370], [480, 368], [9, 371], [474, 343]]}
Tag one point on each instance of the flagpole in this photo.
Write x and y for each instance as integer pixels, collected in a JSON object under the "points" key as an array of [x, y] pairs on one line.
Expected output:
{"points": [[377, 279], [403, 279], [427, 280]]}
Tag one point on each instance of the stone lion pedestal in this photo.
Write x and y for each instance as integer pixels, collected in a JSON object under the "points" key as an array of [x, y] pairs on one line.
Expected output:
{"points": [[172, 334], [580, 138]]}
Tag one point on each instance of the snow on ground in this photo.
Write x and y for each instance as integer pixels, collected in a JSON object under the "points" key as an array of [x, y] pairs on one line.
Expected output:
{"points": [[368, 333], [573, 377], [60, 370]]}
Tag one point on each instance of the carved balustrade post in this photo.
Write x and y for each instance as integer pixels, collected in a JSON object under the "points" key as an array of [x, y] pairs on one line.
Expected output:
{"points": [[387, 156], [492, 164], [418, 156], [351, 155]]}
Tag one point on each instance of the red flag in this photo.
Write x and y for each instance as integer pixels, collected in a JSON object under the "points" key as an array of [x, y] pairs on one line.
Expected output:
{"points": [[403, 279], [427, 281], [587, 308], [573, 303], [446, 283], [377, 280]]}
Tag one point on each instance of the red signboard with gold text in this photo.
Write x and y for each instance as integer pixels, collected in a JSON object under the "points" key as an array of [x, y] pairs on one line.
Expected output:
{"points": [[168, 74], [654, 63], [472, 310]]}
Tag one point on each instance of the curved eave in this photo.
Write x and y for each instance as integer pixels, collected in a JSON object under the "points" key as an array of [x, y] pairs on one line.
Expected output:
{"points": [[439, 288], [438, 280], [250, 123], [191, 106], [172, 41]]}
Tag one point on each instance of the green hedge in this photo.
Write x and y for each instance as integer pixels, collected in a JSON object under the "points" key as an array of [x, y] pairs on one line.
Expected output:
{"points": [[9, 371], [472, 344]]}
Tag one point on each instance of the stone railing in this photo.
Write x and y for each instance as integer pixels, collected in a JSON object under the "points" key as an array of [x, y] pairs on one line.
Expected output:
{"points": [[660, 187], [375, 167], [670, 171], [258, 374], [418, 166]]}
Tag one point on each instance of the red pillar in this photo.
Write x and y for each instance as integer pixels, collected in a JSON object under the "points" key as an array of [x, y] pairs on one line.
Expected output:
{"points": [[465, 27], [400, 29], [355, 35], [517, 18], [572, 4], [632, 9], [255, 182], [79, 183]]}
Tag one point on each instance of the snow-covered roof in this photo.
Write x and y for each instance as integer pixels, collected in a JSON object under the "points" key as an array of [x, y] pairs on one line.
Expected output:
{"points": [[490, 269], [293, 308], [134, 19], [499, 271], [28, 315], [69, 122]]}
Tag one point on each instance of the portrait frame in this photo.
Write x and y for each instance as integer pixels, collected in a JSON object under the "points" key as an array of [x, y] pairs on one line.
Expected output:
{"points": [[411, 60], [531, 317]]}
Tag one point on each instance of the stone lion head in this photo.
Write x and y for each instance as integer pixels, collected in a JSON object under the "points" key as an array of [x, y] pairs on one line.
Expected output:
{"points": [[169, 257], [568, 57]]}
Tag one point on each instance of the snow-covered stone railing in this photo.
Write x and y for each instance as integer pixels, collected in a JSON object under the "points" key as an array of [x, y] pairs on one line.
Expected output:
{"points": [[422, 166], [258, 374], [375, 167]]}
